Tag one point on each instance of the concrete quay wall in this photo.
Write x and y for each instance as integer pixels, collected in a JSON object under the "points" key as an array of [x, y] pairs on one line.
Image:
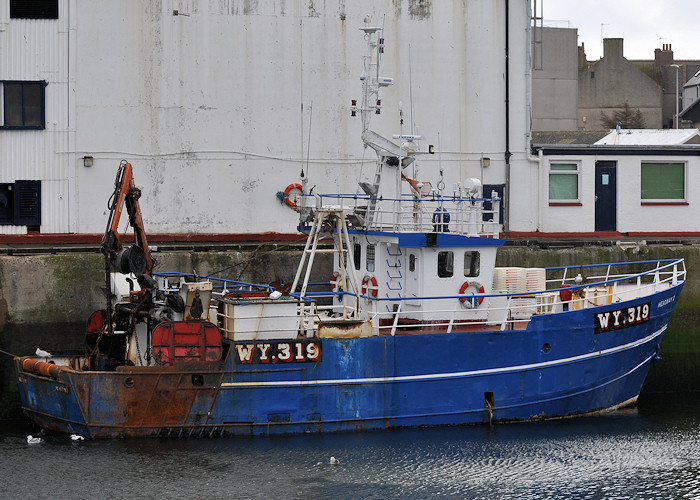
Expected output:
{"points": [[46, 298]]}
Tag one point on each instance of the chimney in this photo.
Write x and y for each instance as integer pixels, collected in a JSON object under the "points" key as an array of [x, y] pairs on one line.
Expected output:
{"points": [[663, 56], [581, 56], [612, 48]]}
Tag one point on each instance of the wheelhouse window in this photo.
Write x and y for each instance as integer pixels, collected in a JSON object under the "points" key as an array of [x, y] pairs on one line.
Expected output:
{"points": [[357, 255], [663, 182], [563, 182], [471, 264], [23, 104], [445, 264], [34, 9], [370, 258]]}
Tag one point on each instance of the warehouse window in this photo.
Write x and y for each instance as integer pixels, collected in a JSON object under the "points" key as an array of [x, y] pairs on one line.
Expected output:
{"points": [[20, 204], [23, 104], [34, 9], [663, 182], [563, 182]]}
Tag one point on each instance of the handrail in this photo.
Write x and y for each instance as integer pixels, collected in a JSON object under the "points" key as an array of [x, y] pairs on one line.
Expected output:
{"points": [[431, 213], [309, 310]]}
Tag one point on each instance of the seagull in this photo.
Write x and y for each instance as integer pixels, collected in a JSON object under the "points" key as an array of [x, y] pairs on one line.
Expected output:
{"points": [[76, 437], [334, 461], [43, 354], [33, 440]]}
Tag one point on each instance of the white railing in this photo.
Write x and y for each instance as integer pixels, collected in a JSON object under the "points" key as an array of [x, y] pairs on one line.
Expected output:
{"points": [[259, 318], [509, 311], [440, 214]]}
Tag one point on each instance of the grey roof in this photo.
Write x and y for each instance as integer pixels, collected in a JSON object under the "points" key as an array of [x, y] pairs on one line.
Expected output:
{"points": [[569, 137]]}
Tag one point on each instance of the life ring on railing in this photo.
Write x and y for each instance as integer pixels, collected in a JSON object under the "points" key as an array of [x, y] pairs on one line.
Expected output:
{"points": [[470, 302], [369, 286], [336, 285], [294, 186]]}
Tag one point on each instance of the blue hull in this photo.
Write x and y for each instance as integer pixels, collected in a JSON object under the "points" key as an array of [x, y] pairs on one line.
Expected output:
{"points": [[559, 366]]}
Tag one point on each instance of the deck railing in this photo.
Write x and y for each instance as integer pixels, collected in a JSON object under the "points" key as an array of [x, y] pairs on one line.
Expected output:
{"points": [[565, 291], [433, 213], [568, 288]]}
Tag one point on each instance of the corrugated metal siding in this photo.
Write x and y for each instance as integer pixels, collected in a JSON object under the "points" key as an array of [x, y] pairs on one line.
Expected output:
{"points": [[38, 50], [213, 108]]}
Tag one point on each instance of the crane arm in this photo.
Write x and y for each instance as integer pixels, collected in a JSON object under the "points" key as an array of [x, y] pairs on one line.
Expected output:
{"points": [[136, 259]]}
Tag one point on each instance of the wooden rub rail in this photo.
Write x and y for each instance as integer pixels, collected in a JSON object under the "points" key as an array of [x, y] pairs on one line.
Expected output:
{"points": [[40, 367]]}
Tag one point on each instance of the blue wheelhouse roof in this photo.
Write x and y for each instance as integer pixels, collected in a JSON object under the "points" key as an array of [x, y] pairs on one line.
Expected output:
{"points": [[416, 240], [413, 240]]}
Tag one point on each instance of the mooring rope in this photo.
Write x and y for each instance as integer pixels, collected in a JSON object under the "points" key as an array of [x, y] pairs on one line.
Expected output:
{"points": [[8, 354]]}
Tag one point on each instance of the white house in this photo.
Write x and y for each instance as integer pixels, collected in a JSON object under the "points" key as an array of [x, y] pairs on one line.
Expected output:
{"points": [[635, 182]]}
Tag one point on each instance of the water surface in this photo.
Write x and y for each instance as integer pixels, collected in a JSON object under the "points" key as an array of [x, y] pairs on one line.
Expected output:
{"points": [[649, 452]]}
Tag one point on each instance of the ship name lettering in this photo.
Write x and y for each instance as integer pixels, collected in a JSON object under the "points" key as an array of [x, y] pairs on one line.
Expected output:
{"points": [[245, 352], [667, 301], [622, 318], [297, 351]]}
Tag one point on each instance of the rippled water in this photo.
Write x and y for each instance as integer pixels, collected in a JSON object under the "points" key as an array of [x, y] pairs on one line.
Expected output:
{"points": [[650, 452]]}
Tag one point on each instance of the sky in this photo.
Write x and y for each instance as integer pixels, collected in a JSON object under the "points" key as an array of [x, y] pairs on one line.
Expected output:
{"points": [[644, 25]]}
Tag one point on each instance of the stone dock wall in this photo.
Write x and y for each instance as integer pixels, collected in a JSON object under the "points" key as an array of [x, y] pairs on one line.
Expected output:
{"points": [[46, 298]]}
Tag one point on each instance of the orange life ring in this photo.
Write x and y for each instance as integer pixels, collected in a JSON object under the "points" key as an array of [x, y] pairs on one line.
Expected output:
{"points": [[290, 188], [470, 302], [369, 286]]}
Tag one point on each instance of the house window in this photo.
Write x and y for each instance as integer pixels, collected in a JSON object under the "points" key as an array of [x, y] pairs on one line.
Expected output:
{"points": [[22, 104], [34, 9], [370, 258], [563, 182], [471, 264], [663, 182], [445, 268]]}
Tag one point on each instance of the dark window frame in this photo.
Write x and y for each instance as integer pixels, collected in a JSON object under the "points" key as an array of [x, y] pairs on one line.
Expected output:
{"points": [[357, 255], [41, 84], [370, 257], [445, 264], [21, 204], [472, 263], [33, 9]]}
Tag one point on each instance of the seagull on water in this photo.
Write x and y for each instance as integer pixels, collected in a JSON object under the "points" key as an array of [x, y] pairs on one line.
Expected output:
{"points": [[33, 440], [42, 353], [334, 461], [76, 437]]}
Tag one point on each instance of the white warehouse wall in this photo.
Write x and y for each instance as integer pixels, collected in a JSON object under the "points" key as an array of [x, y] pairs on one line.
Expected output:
{"points": [[215, 107]]}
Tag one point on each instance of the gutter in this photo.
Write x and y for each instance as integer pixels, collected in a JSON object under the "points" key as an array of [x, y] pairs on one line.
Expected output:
{"points": [[506, 205]]}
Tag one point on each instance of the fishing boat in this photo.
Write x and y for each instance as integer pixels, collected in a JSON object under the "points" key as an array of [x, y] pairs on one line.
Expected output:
{"points": [[415, 327]]}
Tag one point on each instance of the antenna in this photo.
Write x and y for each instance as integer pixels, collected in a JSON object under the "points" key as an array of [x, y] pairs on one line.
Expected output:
{"points": [[410, 86], [308, 144]]}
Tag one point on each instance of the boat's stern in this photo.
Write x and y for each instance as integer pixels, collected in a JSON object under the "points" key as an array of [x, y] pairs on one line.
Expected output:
{"points": [[47, 395]]}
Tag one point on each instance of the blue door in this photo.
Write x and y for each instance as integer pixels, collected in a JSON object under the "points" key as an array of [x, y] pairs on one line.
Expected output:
{"points": [[605, 196]]}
